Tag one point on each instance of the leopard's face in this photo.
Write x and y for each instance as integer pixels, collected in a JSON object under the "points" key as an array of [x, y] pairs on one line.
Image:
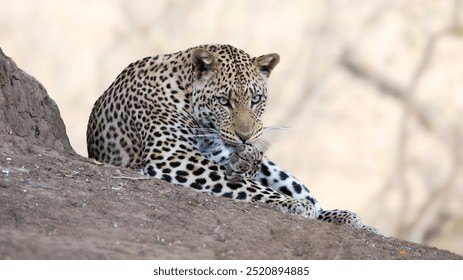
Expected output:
{"points": [[230, 92]]}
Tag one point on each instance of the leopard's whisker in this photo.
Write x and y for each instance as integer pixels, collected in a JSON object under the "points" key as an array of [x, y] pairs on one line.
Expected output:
{"points": [[275, 128], [262, 145], [206, 130], [204, 135], [203, 128]]}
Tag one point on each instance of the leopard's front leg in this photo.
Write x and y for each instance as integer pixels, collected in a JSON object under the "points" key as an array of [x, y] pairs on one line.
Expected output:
{"points": [[247, 161]]}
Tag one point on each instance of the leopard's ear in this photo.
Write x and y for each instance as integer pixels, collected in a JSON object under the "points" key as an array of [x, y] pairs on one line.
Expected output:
{"points": [[266, 63], [204, 63]]}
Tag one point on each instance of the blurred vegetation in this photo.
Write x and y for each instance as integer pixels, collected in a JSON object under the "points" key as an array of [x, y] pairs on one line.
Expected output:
{"points": [[371, 89]]}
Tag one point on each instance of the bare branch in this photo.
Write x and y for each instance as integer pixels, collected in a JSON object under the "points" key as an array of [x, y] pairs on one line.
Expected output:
{"points": [[430, 210]]}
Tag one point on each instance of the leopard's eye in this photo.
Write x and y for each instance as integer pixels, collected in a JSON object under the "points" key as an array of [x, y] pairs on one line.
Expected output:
{"points": [[224, 101], [256, 99]]}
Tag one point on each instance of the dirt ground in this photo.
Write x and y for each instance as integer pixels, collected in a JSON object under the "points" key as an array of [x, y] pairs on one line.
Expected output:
{"points": [[55, 204]]}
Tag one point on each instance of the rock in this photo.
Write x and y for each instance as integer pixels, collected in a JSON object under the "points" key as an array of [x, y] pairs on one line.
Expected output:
{"points": [[28, 116]]}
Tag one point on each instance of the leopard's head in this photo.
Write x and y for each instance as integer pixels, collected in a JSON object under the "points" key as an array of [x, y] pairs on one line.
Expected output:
{"points": [[230, 91]]}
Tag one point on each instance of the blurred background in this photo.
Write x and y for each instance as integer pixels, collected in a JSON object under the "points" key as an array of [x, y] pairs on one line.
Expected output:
{"points": [[372, 90]]}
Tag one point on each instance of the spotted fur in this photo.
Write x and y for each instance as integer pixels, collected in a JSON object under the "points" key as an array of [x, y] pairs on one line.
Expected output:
{"points": [[194, 118]]}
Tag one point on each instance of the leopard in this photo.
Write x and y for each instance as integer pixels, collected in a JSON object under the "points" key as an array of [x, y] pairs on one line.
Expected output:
{"points": [[195, 118]]}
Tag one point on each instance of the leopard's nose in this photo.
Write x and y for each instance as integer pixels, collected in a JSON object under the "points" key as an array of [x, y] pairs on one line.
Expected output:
{"points": [[244, 124], [244, 135]]}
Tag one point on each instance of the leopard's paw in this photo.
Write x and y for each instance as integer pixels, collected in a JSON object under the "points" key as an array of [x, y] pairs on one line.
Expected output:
{"points": [[244, 163]]}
